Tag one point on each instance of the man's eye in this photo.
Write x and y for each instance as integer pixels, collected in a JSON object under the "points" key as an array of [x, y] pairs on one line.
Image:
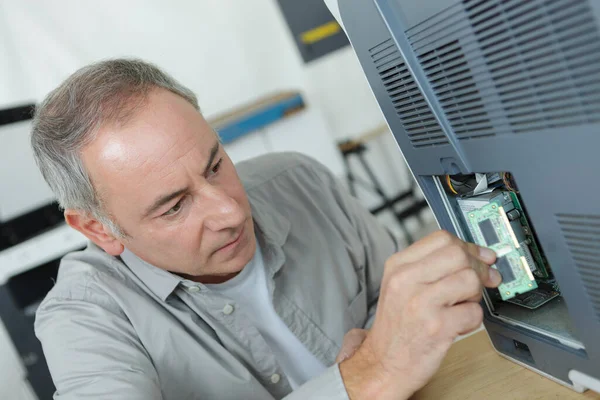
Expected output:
{"points": [[174, 210], [216, 168]]}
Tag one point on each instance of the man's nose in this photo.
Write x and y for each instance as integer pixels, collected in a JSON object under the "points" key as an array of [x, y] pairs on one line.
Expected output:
{"points": [[221, 210]]}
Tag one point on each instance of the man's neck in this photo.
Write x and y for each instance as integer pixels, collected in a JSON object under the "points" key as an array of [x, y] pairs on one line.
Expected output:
{"points": [[210, 279]]}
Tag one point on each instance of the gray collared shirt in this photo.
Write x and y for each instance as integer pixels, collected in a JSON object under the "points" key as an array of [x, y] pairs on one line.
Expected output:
{"points": [[120, 328]]}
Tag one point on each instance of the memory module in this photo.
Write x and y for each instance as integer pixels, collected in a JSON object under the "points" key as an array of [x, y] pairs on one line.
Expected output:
{"points": [[491, 228]]}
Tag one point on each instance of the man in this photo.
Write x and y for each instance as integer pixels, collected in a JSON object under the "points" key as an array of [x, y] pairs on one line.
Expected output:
{"points": [[202, 284]]}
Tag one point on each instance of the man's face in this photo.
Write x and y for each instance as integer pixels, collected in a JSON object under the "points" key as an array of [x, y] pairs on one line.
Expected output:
{"points": [[166, 181]]}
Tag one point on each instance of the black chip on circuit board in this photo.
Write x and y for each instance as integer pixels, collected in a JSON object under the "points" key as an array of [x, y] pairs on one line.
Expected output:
{"points": [[534, 299], [488, 231], [503, 266]]}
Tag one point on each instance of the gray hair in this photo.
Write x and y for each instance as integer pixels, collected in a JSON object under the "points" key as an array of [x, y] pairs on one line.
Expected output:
{"points": [[107, 92]]}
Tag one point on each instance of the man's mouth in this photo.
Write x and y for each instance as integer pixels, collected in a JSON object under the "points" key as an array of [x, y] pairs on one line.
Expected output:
{"points": [[234, 243]]}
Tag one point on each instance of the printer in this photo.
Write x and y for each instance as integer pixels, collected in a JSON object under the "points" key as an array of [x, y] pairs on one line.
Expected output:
{"points": [[33, 239], [495, 104]]}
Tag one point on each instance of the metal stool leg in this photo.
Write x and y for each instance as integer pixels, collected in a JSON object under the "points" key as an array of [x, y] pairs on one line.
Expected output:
{"points": [[350, 177], [386, 200]]}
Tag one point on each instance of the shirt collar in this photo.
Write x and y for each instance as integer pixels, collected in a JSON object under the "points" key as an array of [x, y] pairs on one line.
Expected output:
{"points": [[162, 283], [272, 229], [272, 232], [272, 225]]}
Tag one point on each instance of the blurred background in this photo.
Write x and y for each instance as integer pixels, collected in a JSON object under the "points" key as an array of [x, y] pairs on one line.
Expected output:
{"points": [[270, 75]]}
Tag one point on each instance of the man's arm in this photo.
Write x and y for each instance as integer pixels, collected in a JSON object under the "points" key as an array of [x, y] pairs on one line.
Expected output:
{"points": [[430, 294], [93, 353], [426, 296]]}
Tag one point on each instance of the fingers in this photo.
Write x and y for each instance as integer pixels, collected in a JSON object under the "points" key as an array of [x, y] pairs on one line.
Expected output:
{"points": [[451, 259], [436, 241], [424, 247], [446, 254], [484, 258], [459, 287], [494, 278], [352, 341], [463, 318]]}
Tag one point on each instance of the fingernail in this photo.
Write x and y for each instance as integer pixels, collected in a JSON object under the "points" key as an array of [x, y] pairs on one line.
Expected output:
{"points": [[495, 277], [487, 254]]}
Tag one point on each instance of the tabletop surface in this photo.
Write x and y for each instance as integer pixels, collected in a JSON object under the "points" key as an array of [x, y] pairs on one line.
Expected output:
{"points": [[473, 370]]}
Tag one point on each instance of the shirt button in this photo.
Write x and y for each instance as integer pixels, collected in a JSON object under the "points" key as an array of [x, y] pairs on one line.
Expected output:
{"points": [[228, 309], [275, 378], [194, 289]]}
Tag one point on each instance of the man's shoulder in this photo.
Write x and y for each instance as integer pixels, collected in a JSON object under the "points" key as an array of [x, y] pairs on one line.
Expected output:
{"points": [[260, 171], [86, 276]]}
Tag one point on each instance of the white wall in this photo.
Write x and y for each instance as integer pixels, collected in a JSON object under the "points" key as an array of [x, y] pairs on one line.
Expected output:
{"points": [[195, 41], [228, 51]]}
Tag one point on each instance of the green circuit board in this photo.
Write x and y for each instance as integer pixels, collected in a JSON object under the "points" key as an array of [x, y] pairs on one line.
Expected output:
{"points": [[542, 270], [492, 229]]}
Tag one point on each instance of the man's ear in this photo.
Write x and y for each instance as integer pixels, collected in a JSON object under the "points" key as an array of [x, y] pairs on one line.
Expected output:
{"points": [[95, 231]]}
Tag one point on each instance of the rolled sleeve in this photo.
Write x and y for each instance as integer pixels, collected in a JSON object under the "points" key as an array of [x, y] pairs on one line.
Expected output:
{"points": [[328, 385]]}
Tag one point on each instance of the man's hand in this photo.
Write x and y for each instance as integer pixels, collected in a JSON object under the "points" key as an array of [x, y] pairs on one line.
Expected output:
{"points": [[430, 294]]}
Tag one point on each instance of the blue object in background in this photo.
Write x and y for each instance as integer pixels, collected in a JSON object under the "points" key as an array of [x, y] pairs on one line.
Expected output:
{"points": [[250, 118]]}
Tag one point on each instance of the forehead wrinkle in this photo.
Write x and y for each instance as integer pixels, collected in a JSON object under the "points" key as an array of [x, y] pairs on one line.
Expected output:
{"points": [[173, 176], [171, 167]]}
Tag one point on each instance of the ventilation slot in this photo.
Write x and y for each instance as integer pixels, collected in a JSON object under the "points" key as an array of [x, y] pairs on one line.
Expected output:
{"points": [[582, 235], [512, 66], [453, 83], [415, 115], [544, 58]]}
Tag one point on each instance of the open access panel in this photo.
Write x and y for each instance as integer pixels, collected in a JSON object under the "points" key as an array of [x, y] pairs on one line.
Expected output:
{"points": [[495, 105]]}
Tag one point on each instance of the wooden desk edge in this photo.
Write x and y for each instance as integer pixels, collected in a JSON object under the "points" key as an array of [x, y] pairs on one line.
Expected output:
{"points": [[474, 370]]}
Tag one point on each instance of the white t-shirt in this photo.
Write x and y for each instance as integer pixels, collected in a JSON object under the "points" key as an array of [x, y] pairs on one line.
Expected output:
{"points": [[249, 290]]}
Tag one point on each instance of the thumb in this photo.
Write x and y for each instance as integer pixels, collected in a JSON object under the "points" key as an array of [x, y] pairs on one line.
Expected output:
{"points": [[352, 341]]}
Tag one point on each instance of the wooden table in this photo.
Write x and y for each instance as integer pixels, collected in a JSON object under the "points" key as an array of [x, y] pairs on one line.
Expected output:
{"points": [[473, 370]]}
